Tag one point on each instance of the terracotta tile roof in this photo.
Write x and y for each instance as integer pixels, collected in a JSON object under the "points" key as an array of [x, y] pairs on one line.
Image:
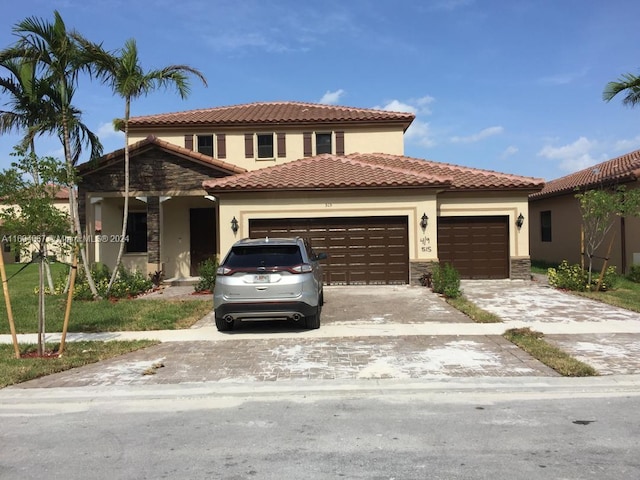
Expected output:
{"points": [[368, 171], [625, 168], [61, 193], [272, 113], [462, 178], [152, 140]]}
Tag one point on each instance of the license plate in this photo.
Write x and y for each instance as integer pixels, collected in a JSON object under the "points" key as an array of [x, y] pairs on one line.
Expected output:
{"points": [[261, 279]]}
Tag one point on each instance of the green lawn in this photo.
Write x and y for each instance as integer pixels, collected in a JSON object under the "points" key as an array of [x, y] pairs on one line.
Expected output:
{"points": [[76, 354], [93, 316], [86, 316], [626, 294]]}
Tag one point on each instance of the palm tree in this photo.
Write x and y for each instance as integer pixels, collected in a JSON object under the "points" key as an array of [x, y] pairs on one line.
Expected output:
{"points": [[57, 55], [122, 72], [626, 83], [31, 112]]}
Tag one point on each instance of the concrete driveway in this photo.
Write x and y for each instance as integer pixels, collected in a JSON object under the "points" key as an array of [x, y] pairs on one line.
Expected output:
{"points": [[603, 336], [378, 332]]}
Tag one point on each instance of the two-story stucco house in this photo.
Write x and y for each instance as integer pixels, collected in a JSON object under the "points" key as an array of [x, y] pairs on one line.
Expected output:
{"points": [[202, 179]]}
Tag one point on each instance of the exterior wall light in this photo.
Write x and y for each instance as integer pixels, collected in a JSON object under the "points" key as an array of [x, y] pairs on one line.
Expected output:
{"points": [[424, 220], [234, 225], [520, 221]]}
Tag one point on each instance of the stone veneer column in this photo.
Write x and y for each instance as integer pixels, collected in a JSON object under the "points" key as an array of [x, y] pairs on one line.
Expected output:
{"points": [[417, 269], [153, 233], [520, 268]]}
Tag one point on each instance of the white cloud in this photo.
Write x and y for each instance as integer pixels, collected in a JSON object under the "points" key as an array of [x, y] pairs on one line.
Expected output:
{"points": [[106, 130], [398, 106], [481, 135], [509, 151], [563, 78], [573, 156], [332, 98], [420, 133], [627, 145], [417, 106]]}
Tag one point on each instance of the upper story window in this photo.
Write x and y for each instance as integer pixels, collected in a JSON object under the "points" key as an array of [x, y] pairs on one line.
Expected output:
{"points": [[205, 144], [323, 143], [265, 145], [545, 225]]}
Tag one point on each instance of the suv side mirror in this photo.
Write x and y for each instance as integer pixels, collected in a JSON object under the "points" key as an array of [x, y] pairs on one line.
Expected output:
{"points": [[321, 256]]}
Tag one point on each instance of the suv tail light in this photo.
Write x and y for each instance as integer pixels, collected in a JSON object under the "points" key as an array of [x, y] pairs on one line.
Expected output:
{"points": [[302, 268], [223, 271]]}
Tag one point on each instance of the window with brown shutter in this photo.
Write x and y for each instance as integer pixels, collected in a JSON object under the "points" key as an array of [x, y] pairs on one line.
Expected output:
{"points": [[282, 145], [265, 145], [248, 145], [205, 145], [323, 143], [307, 144], [221, 143], [339, 143], [188, 142]]}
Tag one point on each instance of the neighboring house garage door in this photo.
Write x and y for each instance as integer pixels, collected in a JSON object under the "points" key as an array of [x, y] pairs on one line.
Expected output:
{"points": [[363, 250], [478, 247]]}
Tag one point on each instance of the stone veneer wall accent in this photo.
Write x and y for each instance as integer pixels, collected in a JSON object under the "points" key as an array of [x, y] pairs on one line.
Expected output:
{"points": [[153, 230], [151, 171], [520, 268], [417, 269]]}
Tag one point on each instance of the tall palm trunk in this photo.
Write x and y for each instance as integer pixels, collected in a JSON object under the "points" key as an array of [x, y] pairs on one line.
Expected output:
{"points": [[73, 204], [125, 213]]}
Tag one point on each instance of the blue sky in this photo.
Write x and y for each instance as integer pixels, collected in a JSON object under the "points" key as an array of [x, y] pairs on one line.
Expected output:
{"points": [[508, 85]]}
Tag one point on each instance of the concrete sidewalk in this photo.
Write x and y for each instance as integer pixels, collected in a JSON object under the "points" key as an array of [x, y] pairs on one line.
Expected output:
{"points": [[375, 332]]}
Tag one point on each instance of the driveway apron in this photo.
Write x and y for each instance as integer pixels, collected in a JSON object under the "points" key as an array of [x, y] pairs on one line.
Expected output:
{"points": [[375, 332]]}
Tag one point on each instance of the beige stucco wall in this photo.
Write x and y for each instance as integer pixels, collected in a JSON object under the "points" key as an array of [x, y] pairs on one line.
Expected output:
{"points": [[317, 205], [361, 140], [422, 245], [59, 249], [175, 256], [565, 230], [492, 204], [175, 243], [566, 221]]}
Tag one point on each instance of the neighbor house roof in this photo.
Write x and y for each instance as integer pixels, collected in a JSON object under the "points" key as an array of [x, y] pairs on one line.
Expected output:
{"points": [[623, 169], [152, 141], [272, 113], [369, 171]]}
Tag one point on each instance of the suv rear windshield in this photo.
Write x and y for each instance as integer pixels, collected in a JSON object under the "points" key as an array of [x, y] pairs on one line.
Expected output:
{"points": [[264, 256]]}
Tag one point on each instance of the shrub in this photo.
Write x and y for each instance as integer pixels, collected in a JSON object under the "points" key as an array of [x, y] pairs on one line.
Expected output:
{"points": [[446, 281], [207, 271], [126, 284], [573, 277], [634, 273], [569, 277]]}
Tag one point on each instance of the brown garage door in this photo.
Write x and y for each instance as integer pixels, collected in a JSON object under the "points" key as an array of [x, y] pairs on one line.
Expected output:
{"points": [[478, 247], [362, 251]]}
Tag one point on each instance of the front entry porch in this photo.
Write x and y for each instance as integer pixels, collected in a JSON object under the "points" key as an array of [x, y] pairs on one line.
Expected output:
{"points": [[169, 234]]}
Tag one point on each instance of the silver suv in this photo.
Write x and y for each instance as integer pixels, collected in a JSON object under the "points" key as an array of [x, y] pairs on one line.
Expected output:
{"points": [[269, 278]]}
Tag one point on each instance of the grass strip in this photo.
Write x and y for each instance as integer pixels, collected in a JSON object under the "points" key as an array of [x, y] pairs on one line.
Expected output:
{"points": [[76, 354], [533, 343], [471, 310]]}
